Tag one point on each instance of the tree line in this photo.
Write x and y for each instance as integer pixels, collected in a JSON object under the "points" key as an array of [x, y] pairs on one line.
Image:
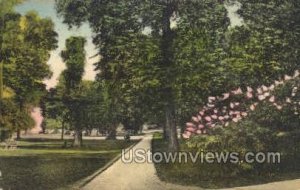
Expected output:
{"points": [[160, 60]]}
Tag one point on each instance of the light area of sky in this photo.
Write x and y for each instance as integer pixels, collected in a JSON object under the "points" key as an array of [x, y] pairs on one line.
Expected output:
{"points": [[45, 8]]}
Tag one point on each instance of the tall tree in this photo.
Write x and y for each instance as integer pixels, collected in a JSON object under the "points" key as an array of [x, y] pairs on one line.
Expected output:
{"points": [[74, 57], [26, 44], [114, 20], [5, 8]]}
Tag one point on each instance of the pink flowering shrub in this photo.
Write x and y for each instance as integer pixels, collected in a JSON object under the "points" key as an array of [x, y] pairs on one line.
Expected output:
{"points": [[234, 106]]}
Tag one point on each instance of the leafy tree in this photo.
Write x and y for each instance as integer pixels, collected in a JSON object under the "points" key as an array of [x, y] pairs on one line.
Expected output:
{"points": [[6, 7], [25, 45], [267, 43], [112, 21], [55, 108], [74, 57]]}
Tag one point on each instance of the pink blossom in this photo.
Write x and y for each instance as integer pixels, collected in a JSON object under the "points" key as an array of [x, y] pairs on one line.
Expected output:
{"points": [[249, 95], [195, 119], [201, 113], [296, 74], [295, 88], [211, 105], [288, 100], [237, 91], [237, 113], [235, 120], [279, 107], [199, 118], [272, 87], [199, 132], [207, 118], [201, 126], [191, 129], [221, 118], [190, 124], [226, 124], [259, 91], [214, 116], [252, 107], [261, 97], [211, 99], [249, 89], [264, 88], [287, 77], [226, 96], [272, 99], [215, 111], [231, 105], [186, 136], [244, 114], [267, 94]]}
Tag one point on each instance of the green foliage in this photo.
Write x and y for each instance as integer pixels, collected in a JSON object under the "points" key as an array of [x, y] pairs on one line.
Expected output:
{"points": [[74, 56], [12, 118], [8, 6], [26, 42], [139, 69]]}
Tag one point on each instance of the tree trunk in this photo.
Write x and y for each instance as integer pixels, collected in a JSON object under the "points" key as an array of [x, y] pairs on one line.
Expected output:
{"points": [[1, 81], [112, 134], [166, 132], [62, 130], [18, 134], [173, 144], [78, 138], [168, 63]]}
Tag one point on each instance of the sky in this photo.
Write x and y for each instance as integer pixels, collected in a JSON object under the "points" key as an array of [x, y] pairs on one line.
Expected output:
{"points": [[46, 8]]}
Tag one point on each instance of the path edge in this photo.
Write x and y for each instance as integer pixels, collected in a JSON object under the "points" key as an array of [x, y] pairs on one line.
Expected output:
{"points": [[83, 182]]}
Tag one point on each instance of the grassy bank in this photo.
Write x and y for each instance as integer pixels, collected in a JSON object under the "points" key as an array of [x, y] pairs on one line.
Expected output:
{"points": [[220, 175], [49, 164]]}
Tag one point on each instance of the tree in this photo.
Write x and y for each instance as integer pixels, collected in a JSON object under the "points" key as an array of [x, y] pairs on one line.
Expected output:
{"points": [[26, 43], [114, 21], [275, 25], [74, 57], [54, 107], [5, 8]]}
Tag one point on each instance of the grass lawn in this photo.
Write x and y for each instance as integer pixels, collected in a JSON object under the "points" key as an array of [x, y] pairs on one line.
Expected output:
{"points": [[46, 164], [220, 176]]}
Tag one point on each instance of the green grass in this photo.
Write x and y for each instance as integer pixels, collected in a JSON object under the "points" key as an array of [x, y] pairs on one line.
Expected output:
{"points": [[45, 164], [209, 175]]}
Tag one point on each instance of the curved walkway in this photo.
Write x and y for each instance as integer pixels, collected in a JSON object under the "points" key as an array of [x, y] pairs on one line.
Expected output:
{"points": [[134, 176]]}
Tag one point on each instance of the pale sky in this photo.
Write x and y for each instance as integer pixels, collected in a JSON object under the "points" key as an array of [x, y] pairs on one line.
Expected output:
{"points": [[45, 8]]}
